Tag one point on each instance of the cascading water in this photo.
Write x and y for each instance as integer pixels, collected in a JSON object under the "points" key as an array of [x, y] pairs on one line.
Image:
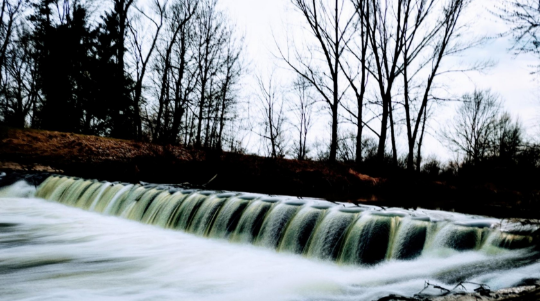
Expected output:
{"points": [[315, 229], [282, 248]]}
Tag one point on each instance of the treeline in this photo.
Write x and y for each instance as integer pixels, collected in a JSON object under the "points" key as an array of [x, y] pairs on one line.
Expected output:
{"points": [[383, 71], [171, 71], [161, 71]]}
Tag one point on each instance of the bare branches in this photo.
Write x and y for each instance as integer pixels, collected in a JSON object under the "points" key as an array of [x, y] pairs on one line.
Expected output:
{"points": [[330, 28], [142, 60], [18, 91], [271, 109], [523, 17], [173, 66], [481, 130], [302, 108], [199, 64]]}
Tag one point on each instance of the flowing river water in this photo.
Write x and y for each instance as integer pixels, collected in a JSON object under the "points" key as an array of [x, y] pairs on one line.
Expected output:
{"points": [[76, 239]]}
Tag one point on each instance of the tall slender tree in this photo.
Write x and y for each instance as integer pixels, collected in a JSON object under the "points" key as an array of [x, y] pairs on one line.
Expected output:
{"points": [[330, 27], [173, 68]]}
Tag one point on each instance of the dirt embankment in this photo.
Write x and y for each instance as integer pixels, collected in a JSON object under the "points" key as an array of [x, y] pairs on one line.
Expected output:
{"points": [[121, 160]]}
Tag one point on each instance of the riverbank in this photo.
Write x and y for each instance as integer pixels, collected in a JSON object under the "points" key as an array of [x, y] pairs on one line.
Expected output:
{"points": [[518, 293], [121, 160]]}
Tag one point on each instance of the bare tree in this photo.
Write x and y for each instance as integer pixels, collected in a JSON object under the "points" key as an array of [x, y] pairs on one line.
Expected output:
{"points": [[409, 39], [210, 38], [358, 75], [440, 40], [330, 25], [302, 109], [523, 17], [18, 88], [232, 70], [217, 57], [196, 71], [142, 59], [271, 109], [384, 26], [347, 146], [19, 95], [173, 66], [9, 14], [508, 137], [481, 129]]}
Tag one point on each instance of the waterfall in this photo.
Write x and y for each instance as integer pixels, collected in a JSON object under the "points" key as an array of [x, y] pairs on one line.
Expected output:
{"points": [[347, 234], [251, 221]]}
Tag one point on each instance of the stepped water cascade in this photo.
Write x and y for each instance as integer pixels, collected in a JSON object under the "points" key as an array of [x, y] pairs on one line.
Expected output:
{"points": [[320, 247], [358, 235]]}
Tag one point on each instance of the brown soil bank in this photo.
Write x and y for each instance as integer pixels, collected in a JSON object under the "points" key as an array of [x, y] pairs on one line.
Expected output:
{"points": [[121, 160]]}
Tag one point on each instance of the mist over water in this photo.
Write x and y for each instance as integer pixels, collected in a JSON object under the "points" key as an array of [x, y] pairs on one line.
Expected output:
{"points": [[49, 251]]}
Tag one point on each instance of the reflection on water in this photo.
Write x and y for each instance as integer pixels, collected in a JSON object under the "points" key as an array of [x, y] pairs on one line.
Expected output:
{"points": [[49, 251]]}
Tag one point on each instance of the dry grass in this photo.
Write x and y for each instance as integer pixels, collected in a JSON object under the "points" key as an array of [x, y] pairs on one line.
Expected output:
{"points": [[74, 147]]}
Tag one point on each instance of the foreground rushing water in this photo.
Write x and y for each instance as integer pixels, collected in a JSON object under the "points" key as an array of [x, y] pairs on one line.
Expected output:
{"points": [[49, 251]]}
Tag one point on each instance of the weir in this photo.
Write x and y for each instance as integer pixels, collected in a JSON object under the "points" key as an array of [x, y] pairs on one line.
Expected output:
{"points": [[346, 234]]}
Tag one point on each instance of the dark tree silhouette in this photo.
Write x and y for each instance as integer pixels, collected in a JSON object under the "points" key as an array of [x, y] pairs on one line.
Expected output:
{"points": [[62, 43]]}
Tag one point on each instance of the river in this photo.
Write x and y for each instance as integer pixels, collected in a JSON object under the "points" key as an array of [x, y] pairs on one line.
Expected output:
{"points": [[49, 251]]}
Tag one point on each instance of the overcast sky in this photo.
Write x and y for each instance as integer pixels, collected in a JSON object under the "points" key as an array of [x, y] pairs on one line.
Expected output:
{"points": [[261, 19]]}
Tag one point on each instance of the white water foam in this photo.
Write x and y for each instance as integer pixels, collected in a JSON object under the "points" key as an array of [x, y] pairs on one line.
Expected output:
{"points": [[52, 252], [20, 189]]}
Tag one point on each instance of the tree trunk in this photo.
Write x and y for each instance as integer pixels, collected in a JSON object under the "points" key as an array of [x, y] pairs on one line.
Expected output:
{"points": [[333, 145], [360, 126], [384, 129], [419, 154], [200, 117], [208, 119], [359, 130], [393, 136], [222, 115]]}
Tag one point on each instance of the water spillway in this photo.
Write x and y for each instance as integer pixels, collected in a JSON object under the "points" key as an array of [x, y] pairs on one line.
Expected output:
{"points": [[349, 235], [214, 246]]}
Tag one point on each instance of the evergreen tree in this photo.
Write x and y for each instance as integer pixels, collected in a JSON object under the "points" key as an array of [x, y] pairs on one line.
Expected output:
{"points": [[113, 86], [63, 60]]}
